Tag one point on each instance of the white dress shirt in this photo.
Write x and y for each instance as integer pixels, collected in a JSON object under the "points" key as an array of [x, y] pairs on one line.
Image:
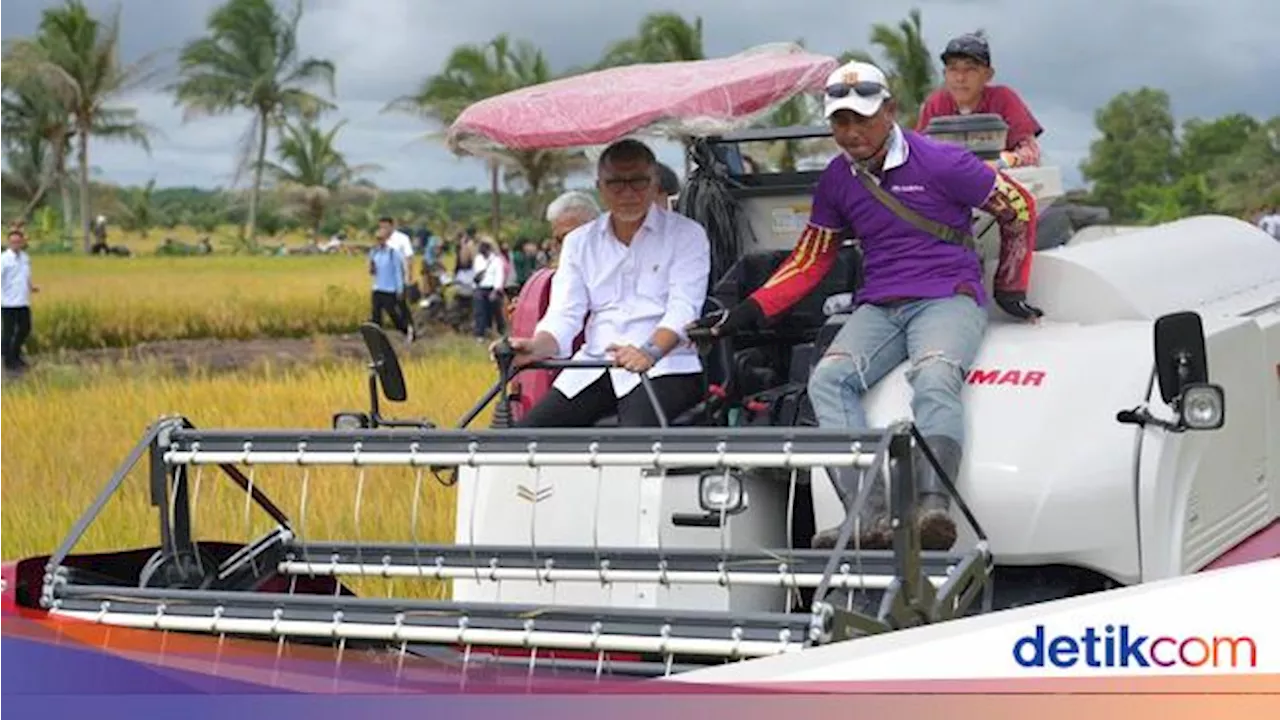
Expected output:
{"points": [[489, 271], [401, 242], [624, 293], [17, 279]]}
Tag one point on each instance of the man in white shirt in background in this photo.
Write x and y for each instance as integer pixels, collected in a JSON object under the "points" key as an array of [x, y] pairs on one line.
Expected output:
{"points": [[401, 243], [571, 210], [16, 305], [635, 276], [491, 279]]}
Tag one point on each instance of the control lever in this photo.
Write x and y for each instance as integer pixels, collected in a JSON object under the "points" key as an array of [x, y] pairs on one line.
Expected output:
{"points": [[505, 356]]}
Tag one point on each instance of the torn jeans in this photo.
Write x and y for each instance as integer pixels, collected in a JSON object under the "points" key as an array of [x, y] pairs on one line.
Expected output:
{"points": [[940, 337]]}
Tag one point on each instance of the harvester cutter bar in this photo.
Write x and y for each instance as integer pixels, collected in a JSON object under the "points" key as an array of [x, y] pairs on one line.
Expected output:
{"points": [[868, 569], [592, 629]]}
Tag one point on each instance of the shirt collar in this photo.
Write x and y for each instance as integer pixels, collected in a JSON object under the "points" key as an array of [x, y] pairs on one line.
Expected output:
{"points": [[898, 149], [651, 224]]}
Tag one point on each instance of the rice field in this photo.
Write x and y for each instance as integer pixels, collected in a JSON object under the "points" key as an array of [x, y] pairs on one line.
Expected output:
{"points": [[62, 440], [97, 302]]}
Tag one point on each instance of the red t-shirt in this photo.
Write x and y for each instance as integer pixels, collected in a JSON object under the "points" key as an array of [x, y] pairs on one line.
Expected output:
{"points": [[998, 99]]}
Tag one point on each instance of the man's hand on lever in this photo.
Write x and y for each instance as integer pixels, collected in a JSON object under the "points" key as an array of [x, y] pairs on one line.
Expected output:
{"points": [[724, 323], [527, 350], [640, 359], [631, 358]]}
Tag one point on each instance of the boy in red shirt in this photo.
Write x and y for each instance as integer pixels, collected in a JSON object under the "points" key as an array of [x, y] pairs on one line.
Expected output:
{"points": [[968, 74]]}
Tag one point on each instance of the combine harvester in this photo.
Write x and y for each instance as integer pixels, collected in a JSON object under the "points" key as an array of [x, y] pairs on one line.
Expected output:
{"points": [[1101, 451]]}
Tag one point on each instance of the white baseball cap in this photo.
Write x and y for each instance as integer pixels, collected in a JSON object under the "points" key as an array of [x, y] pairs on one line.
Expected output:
{"points": [[857, 86]]}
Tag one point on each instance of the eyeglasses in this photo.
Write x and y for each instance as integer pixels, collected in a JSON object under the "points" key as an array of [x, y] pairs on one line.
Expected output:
{"points": [[866, 88], [638, 183]]}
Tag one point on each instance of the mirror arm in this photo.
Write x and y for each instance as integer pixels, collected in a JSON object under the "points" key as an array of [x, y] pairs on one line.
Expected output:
{"points": [[1142, 417], [373, 393]]}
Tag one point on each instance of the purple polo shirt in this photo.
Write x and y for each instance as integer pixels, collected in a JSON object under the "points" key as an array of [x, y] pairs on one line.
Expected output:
{"points": [[940, 181]]}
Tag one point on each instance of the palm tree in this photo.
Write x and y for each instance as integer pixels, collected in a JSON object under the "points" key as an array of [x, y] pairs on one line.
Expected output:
{"points": [[474, 72], [661, 37], [28, 172], [77, 58], [312, 173], [37, 137], [250, 61]]}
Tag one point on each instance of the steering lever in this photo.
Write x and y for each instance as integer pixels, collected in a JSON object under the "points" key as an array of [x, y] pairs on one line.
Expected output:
{"points": [[505, 355]]}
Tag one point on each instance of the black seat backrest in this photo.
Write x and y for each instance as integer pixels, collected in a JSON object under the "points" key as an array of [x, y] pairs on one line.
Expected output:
{"points": [[752, 271]]}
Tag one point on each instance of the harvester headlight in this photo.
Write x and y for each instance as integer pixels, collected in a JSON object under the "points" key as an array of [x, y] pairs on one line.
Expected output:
{"points": [[720, 491], [350, 421], [1203, 407]]}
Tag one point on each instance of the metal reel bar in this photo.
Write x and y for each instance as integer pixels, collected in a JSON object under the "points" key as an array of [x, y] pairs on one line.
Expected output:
{"points": [[765, 568], [274, 615], [635, 447]]}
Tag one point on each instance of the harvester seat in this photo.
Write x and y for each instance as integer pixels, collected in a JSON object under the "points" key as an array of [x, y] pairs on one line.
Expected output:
{"points": [[531, 304]]}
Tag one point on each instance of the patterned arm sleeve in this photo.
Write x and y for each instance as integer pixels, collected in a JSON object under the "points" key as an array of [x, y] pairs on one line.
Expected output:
{"points": [[1014, 210], [812, 257]]}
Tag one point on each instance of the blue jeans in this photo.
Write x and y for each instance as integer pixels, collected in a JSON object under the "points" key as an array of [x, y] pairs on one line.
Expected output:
{"points": [[940, 337]]}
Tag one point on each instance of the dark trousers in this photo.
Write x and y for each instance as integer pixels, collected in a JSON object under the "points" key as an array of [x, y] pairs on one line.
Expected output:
{"points": [[16, 330], [393, 305], [487, 311], [676, 394]]}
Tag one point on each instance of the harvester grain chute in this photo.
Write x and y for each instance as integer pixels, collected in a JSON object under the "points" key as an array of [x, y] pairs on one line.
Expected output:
{"points": [[1101, 452]]}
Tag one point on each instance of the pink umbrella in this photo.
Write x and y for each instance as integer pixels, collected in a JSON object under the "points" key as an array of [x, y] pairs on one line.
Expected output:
{"points": [[703, 97]]}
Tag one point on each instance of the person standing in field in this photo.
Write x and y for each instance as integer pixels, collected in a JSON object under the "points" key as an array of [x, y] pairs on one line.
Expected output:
{"points": [[387, 266], [17, 289], [400, 242], [491, 279]]}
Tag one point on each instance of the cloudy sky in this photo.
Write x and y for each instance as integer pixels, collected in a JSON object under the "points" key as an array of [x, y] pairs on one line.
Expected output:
{"points": [[1066, 57]]}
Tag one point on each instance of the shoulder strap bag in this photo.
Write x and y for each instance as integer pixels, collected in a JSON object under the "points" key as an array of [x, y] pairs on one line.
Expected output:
{"points": [[937, 229]]}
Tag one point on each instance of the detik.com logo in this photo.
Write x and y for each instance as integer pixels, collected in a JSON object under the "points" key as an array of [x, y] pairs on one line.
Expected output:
{"points": [[1117, 646]]}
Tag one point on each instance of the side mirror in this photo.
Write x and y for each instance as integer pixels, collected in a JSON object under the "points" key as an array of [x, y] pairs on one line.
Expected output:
{"points": [[1180, 356], [383, 362], [1182, 368], [384, 370]]}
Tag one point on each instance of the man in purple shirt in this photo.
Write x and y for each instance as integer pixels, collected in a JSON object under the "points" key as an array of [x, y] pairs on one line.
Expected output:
{"points": [[922, 297]]}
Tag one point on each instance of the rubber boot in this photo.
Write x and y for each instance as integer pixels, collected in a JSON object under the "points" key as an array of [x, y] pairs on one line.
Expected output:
{"points": [[937, 528], [875, 530]]}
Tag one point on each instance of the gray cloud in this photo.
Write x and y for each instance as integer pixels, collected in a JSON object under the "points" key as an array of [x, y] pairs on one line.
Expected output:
{"points": [[1065, 58]]}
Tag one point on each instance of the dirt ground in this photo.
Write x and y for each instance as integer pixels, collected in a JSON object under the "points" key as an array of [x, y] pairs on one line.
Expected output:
{"points": [[231, 355]]}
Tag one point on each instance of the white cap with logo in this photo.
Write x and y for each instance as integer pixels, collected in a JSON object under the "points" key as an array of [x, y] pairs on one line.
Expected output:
{"points": [[857, 86]]}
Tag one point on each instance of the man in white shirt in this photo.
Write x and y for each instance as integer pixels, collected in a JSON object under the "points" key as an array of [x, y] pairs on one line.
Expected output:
{"points": [[16, 305], [635, 277], [491, 276], [401, 243]]}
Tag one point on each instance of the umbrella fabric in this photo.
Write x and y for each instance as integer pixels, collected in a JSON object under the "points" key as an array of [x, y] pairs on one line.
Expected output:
{"points": [[695, 98]]}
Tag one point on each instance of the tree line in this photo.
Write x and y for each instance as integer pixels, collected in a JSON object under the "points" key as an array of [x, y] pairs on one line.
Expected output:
{"points": [[63, 87]]}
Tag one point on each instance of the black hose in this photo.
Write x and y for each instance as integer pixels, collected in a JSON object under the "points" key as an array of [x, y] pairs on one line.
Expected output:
{"points": [[708, 198]]}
